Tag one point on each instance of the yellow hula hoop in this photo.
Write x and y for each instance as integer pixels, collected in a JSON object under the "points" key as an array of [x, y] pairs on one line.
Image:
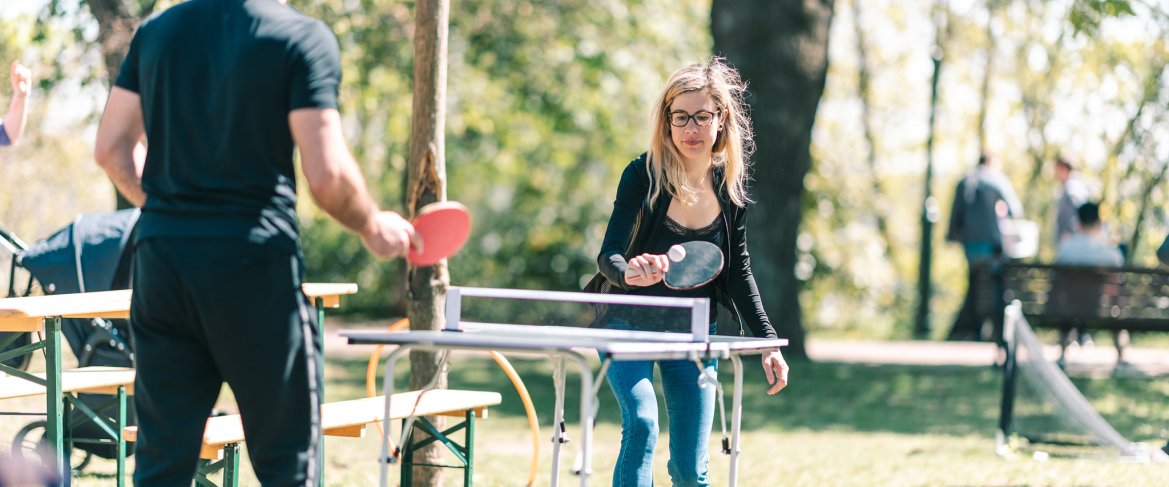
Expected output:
{"points": [[521, 389]]}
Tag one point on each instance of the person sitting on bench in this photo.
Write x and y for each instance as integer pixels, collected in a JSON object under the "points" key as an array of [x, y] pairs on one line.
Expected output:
{"points": [[1089, 245]]}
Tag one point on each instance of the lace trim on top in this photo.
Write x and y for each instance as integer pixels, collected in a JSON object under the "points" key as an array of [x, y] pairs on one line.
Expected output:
{"points": [[683, 230]]}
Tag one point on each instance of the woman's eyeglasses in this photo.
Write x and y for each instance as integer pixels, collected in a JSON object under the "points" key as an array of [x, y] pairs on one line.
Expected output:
{"points": [[702, 118]]}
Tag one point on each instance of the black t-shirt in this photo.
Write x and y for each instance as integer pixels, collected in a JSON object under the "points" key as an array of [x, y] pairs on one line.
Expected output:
{"points": [[217, 80]]}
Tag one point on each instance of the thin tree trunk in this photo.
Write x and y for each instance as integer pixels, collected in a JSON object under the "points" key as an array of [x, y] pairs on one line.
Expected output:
{"points": [[116, 23], [1146, 197], [879, 198], [426, 183], [781, 49], [987, 71], [929, 205]]}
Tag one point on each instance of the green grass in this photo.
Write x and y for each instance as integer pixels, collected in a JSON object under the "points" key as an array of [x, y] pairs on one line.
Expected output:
{"points": [[836, 424]]}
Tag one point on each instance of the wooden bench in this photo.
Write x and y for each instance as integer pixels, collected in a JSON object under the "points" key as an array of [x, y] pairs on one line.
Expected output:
{"points": [[1085, 297], [91, 380], [114, 381], [224, 434]]}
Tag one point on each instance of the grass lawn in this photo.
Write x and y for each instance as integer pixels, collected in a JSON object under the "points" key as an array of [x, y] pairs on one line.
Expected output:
{"points": [[836, 424]]}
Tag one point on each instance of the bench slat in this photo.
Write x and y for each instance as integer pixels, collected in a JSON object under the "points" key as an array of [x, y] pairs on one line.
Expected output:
{"points": [[348, 418], [95, 380]]}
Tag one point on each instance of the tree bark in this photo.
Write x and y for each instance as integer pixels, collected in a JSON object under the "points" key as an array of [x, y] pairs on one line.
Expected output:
{"points": [[781, 49], [426, 183]]}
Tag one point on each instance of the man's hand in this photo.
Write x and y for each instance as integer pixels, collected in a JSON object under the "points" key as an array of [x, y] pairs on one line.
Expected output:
{"points": [[21, 78], [775, 368], [390, 235]]}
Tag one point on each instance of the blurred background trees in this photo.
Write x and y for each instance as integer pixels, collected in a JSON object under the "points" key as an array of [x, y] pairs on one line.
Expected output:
{"points": [[548, 100]]}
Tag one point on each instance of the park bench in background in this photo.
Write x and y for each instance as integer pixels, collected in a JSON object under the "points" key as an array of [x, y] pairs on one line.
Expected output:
{"points": [[224, 434], [1089, 298]]}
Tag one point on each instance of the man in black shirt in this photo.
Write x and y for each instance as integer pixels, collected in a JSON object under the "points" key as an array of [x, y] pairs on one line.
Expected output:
{"points": [[223, 90]]}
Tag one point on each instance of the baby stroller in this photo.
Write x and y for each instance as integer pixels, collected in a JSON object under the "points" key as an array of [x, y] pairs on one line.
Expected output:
{"points": [[90, 254]]}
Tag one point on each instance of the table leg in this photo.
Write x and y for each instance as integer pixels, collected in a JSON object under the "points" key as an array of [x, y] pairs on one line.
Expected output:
{"points": [[54, 402], [557, 416], [388, 390], [587, 400], [736, 418]]}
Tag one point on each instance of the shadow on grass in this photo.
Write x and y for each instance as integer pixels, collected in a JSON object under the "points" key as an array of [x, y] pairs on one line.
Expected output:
{"points": [[942, 400]]}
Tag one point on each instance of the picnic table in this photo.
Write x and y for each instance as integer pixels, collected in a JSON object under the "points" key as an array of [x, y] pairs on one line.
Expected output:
{"points": [[43, 314]]}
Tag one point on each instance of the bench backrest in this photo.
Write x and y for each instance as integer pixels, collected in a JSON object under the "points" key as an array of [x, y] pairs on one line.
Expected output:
{"points": [[1102, 297]]}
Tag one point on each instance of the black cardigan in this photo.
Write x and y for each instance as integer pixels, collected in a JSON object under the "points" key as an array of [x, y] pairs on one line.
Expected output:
{"points": [[735, 288]]}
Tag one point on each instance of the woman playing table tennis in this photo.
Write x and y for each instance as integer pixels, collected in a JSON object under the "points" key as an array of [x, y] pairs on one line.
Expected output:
{"points": [[689, 186]]}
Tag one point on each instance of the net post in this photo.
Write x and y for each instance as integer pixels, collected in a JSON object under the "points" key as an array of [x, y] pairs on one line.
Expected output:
{"points": [[699, 319], [454, 307]]}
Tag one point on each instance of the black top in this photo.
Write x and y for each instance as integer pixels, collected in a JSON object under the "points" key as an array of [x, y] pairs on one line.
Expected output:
{"points": [[735, 288], [676, 233], [217, 80]]}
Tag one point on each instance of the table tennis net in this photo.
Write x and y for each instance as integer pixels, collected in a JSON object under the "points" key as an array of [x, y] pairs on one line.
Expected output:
{"points": [[1045, 411], [482, 306]]}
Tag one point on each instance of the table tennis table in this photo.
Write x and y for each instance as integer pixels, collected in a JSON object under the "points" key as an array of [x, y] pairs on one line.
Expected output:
{"points": [[567, 344]]}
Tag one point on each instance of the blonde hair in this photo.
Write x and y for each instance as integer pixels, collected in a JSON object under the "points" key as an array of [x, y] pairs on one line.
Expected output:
{"points": [[733, 145]]}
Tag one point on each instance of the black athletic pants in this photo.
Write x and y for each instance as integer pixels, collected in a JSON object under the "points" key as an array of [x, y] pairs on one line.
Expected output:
{"points": [[212, 310]]}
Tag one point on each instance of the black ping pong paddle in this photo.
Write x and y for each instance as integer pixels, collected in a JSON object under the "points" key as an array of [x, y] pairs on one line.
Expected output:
{"points": [[693, 264]]}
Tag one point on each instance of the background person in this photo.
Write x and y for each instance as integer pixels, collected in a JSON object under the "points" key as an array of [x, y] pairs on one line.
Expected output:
{"points": [[1090, 246], [692, 180], [223, 90], [12, 127], [1073, 192], [982, 199]]}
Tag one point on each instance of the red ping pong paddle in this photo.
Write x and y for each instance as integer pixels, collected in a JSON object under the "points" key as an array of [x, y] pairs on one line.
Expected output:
{"points": [[693, 264], [444, 227]]}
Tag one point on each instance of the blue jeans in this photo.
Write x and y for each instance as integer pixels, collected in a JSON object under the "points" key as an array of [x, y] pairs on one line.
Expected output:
{"points": [[689, 409]]}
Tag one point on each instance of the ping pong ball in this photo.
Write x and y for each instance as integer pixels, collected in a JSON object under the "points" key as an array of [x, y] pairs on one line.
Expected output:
{"points": [[676, 253]]}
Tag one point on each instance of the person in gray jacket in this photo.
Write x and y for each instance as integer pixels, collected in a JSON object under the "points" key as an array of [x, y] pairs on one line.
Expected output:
{"points": [[982, 200]]}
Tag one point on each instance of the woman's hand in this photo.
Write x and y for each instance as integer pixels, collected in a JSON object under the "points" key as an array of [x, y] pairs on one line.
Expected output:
{"points": [[646, 270], [775, 368]]}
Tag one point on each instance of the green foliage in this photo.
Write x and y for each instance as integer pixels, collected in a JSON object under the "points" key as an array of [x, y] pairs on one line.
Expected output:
{"points": [[542, 115], [1087, 15]]}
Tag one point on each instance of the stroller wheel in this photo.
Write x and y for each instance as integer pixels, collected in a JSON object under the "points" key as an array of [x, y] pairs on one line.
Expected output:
{"points": [[30, 444]]}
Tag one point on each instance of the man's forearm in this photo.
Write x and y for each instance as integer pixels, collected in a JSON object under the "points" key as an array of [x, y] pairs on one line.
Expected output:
{"points": [[124, 167], [343, 196]]}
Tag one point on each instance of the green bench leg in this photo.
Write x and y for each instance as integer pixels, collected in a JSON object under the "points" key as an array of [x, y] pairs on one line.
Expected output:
{"points": [[231, 468], [464, 453], [469, 447], [118, 437], [229, 465], [55, 404], [408, 461]]}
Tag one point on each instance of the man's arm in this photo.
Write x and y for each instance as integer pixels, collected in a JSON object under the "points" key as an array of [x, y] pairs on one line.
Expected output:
{"points": [[119, 150], [21, 79], [335, 181]]}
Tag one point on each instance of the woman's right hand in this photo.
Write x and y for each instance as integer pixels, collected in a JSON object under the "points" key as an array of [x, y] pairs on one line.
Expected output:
{"points": [[646, 270]]}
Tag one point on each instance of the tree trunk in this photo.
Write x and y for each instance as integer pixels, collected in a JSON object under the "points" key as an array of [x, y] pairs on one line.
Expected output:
{"points": [[879, 197], [781, 49], [426, 183], [116, 23]]}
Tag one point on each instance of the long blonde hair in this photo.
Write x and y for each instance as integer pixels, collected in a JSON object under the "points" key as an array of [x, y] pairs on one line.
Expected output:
{"points": [[733, 145]]}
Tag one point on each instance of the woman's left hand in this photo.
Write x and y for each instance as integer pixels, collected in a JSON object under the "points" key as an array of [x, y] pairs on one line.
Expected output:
{"points": [[775, 367]]}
